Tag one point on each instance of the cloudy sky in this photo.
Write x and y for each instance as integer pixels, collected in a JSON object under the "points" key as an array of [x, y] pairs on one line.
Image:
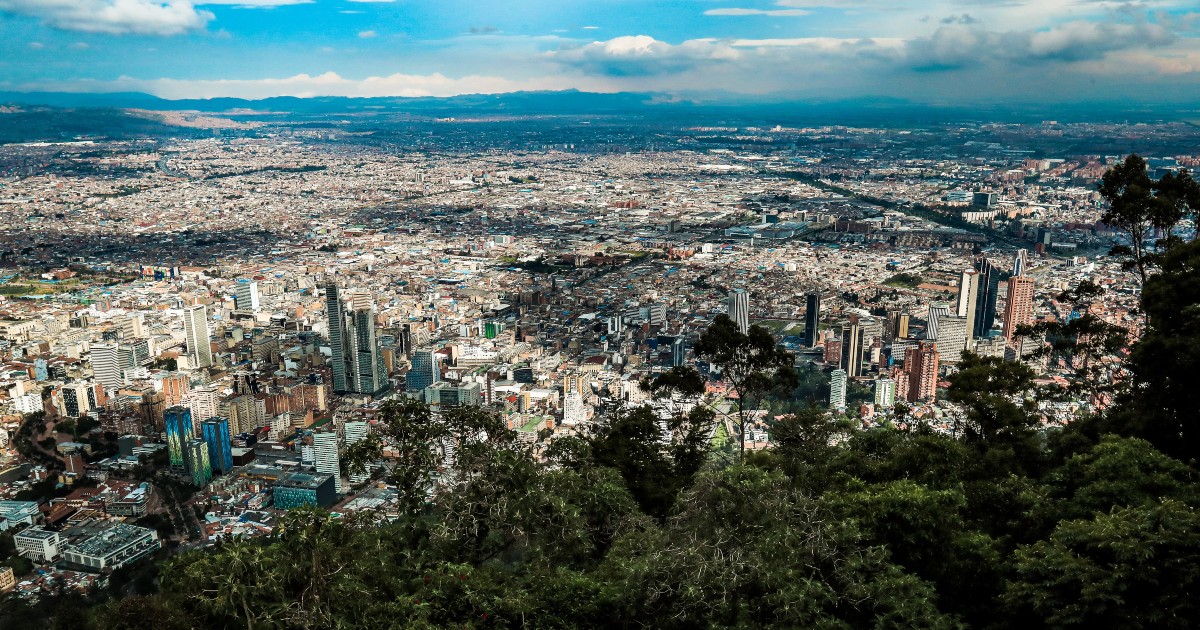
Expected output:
{"points": [[939, 51]]}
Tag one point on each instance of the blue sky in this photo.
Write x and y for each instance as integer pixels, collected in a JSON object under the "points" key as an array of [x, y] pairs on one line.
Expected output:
{"points": [[925, 51]]}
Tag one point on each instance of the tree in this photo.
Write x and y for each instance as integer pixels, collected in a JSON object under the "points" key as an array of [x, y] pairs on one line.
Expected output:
{"points": [[1139, 205], [1138, 567], [1162, 406], [994, 394], [752, 363]]}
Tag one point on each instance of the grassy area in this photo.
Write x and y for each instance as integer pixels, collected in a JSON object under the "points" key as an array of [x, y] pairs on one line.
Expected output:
{"points": [[904, 281]]}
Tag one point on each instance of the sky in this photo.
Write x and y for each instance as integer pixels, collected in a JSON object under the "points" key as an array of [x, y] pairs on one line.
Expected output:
{"points": [[924, 51]]}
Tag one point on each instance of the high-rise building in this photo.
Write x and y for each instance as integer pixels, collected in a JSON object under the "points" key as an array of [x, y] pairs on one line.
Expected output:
{"points": [[812, 318], [199, 467], [357, 359], [356, 431], [1018, 310], [106, 366], [196, 334], [178, 422], [574, 409], [885, 393], [837, 390], [921, 365], [989, 287], [246, 295], [1020, 261], [937, 312], [216, 436], [852, 348], [952, 338], [424, 370], [678, 352], [897, 326], [325, 456], [968, 298], [739, 309]]}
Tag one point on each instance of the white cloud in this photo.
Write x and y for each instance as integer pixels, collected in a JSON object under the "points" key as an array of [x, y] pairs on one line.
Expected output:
{"points": [[642, 55], [366, 34], [255, 4], [36, 45], [373, 1], [115, 17], [768, 12], [327, 84]]}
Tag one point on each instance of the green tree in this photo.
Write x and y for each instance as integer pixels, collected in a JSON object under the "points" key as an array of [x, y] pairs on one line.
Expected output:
{"points": [[1137, 567], [752, 363], [1138, 205]]}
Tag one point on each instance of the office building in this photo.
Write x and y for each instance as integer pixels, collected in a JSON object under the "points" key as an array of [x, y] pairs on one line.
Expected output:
{"points": [[326, 458], [739, 309], [937, 312], [356, 431], [837, 390], [220, 448], [8, 581], [196, 335], [449, 394], [574, 409], [1020, 262], [116, 546], [424, 371], [897, 326], [953, 339], [852, 348], [989, 288], [357, 358], [38, 544], [812, 318], [298, 489], [1018, 309], [968, 299], [678, 352], [921, 365], [246, 295], [106, 366], [199, 466], [179, 428], [885, 393]]}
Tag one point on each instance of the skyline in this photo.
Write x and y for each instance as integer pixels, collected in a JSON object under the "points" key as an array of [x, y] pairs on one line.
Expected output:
{"points": [[937, 52]]}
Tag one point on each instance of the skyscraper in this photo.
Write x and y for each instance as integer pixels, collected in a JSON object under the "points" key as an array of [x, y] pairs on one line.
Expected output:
{"points": [[1019, 262], [106, 366], [1018, 310], [739, 309], [678, 352], [897, 326], [852, 348], [921, 364], [216, 437], [952, 338], [424, 370], [812, 318], [325, 455], [246, 296], [968, 298], [337, 337], [937, 312], [837, 390], [199, 467], [196, 334], [989, 287], [357, 359], [178, 421]]}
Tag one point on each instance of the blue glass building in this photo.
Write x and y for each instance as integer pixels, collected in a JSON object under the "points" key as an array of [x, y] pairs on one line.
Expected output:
{"points": [[178, 421], [216, 436]]}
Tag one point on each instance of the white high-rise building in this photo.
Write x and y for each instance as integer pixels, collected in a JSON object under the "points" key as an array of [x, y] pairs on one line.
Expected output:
{"points": [[246, 296], [574, 409], [204, 403], [133, 326], [952, 339], [195, 330], [325, 457], [106, 366], [739, 309], [885, 393], [937, 312], [356, 431], [837, 390]]}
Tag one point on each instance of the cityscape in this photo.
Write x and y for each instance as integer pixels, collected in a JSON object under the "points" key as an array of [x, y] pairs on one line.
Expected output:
{"points": [[594, 358]]}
